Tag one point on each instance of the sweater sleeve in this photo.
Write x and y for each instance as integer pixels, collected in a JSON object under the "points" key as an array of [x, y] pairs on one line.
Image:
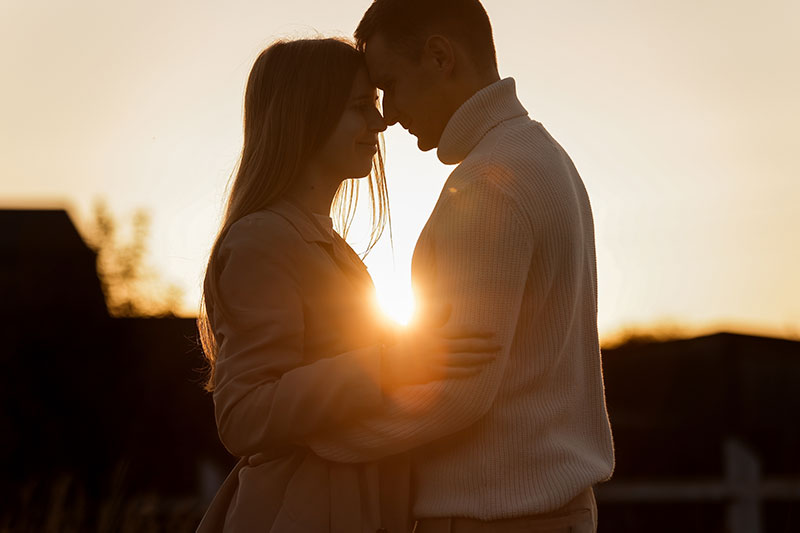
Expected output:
{"points": [[266, 396], [482, 254]]}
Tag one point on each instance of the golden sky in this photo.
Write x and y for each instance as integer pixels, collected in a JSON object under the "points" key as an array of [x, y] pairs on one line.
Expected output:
{"points": [[681, 117]]}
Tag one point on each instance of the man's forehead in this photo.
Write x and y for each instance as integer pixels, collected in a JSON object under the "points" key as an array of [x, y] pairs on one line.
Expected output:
{"points": [[380, 59]]}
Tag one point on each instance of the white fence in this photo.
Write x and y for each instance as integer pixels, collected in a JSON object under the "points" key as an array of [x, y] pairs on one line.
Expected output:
{"points": [[742, 488]]}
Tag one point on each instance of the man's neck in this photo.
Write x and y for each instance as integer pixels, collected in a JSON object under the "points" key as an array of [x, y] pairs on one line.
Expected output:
{"points": [[471, 83], [479, 81]]}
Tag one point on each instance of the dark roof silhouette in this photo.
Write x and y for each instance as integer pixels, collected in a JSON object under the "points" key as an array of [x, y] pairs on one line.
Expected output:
{"points": [[46, 266], [104, 389], [36, 230]]}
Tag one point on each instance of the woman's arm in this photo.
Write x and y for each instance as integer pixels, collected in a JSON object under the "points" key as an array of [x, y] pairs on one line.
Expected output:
{"points": [[265, 397]]}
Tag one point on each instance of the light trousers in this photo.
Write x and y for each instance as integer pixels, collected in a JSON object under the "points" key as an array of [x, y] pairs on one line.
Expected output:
{"points": [[577, 516]]}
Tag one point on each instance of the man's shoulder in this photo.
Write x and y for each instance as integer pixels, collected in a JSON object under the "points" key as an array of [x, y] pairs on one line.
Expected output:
{"points": [[521, 162], [479, 185], [519, 149], [506, 153], [519, 141]]}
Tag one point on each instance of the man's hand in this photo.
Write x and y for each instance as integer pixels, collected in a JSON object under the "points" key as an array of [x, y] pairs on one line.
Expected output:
{"points": [[430, 351]]}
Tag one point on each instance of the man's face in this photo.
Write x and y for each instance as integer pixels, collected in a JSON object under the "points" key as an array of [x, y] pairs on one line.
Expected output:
{"points": [[412, 92]]}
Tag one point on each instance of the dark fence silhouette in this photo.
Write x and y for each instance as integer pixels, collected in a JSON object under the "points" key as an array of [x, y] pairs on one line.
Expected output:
{"points": [[104, 422], [706, 435]]}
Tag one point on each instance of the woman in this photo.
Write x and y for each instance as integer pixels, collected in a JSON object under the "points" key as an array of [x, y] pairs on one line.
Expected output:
{"points": [[290, 328]]}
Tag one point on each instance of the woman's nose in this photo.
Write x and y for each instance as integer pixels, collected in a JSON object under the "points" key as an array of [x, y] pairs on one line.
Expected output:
{"points": [[389, 111], [377, 123]]}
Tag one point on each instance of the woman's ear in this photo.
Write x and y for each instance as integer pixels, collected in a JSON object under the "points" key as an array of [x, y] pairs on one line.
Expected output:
{"points": [[439, 54]]}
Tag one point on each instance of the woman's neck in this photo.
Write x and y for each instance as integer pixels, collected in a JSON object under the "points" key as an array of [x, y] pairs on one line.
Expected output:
{"points": [[315, 192]]}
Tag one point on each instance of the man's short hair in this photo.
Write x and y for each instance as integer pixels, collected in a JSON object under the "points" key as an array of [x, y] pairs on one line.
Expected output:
{"points": [[406, 24]]}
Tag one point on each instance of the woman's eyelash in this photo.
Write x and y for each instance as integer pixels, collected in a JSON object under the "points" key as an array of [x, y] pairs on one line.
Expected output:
{"points": [[364, 104]]}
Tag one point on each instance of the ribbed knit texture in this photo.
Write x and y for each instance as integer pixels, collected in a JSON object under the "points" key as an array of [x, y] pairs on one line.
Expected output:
{"points": [[510, 244]]}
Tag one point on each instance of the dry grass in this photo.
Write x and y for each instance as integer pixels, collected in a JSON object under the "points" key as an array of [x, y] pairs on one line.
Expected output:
{"points": [[62, 505]]}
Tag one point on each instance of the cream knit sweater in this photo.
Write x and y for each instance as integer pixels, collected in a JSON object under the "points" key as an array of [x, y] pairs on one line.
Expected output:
{"points": [[510, 244]]}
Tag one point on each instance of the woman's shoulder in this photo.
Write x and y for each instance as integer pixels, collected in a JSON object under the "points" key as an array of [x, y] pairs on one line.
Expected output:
{"points": [[262, 230], [262, 221]]}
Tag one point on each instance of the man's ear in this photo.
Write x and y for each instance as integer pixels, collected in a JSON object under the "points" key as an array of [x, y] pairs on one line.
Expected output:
{"points": [[439, 54]]}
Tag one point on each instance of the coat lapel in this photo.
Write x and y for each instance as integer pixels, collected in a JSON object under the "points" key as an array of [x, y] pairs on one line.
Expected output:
{"points": [[311, 230]]}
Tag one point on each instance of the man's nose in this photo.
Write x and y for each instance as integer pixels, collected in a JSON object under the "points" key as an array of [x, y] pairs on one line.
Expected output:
{"points": [[390, 114]]}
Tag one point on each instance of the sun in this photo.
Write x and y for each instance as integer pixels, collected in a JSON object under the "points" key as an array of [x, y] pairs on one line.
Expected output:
{"points": [[396, 301]]}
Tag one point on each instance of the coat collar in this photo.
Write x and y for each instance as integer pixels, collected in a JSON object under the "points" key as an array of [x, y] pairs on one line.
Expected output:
{"points": [[302, 221], [483, 111], [312, 231]]}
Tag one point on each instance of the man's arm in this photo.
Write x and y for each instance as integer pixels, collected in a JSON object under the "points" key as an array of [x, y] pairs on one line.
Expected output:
{"points": [[483, 250]]}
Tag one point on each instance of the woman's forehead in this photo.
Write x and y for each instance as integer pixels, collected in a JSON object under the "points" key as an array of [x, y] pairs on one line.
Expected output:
{"points": [[362, 86]]}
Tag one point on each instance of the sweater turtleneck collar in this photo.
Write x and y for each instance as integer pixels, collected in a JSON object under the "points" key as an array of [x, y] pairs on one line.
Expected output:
{"points": [[483, 111]]}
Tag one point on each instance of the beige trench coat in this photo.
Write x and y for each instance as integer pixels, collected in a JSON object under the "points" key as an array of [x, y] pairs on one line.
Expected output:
{"points": [[298, 354]]}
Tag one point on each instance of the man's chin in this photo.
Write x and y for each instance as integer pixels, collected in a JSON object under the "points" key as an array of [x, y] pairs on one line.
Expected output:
{"points": [[425, 145]]}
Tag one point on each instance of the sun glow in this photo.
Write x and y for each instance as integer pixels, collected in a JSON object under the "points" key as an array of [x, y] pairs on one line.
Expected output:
{"points": [[396, 301]]}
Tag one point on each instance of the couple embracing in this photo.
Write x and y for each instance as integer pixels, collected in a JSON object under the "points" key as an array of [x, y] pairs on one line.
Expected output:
{"points": [[488, 413]]}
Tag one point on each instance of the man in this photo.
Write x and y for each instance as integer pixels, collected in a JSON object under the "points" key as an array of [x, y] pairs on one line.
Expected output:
{"points": [[510, 245]]}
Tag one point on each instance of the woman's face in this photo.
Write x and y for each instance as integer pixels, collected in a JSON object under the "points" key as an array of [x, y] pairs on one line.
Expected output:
{"points": [[349, 151]]}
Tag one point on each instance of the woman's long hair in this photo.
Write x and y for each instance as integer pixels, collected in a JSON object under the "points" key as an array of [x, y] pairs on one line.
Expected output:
{"points": [[296, 92]]}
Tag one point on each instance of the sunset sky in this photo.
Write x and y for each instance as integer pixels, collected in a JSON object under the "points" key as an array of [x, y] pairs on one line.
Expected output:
{"points": [[682, 117]]}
